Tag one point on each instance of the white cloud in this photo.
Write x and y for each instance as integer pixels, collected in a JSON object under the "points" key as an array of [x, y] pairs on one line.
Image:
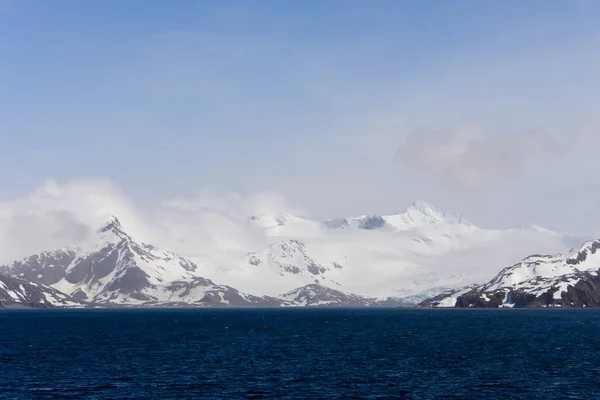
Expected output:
{"points": [[57, 215], [213, 222], [234, 204], [471, 159]]}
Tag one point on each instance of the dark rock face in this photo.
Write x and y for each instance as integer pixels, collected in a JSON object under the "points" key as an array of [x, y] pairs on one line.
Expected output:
{"points": [[16, 290], [571, 280], [46, 268], [583, 253], [89, 267], [132, 281], [315, 268], [585, 292], [372, 222]]}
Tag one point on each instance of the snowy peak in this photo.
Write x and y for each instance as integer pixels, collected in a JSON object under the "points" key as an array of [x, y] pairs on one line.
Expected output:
{"points": [[112, 230], [113, 268], [424, 207], [583, 255], [418, 214], [112, 223], [421, 213], [424, 212], [289, 257]]}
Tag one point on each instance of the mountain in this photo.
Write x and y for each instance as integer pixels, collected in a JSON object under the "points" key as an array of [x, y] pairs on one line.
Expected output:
{"points": [[395, 259], [47, 267], [414, 255], [204, 292], [419, 214], [315, 295], [116, 269], [561, 280], [319, 295], [16, 291], [447, 299]]}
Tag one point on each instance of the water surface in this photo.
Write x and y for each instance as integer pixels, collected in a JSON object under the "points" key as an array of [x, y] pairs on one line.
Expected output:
{"points": [[300, 353]]}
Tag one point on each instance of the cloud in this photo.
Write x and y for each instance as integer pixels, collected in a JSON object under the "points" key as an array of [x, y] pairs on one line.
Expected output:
{"points": [[234, 204], [218, 222], [469, 158], [57, 215]]}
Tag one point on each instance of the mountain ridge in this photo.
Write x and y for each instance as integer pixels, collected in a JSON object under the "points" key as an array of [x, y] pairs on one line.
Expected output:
{"points": [[400, 264], [571, 279]]}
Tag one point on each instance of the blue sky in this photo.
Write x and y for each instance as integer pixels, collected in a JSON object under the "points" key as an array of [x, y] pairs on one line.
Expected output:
{"points": [[334, 104]]}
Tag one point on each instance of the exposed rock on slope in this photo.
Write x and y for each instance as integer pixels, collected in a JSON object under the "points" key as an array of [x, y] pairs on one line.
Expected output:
{"points": [[563, 280], [14, 290], [118, 270]]}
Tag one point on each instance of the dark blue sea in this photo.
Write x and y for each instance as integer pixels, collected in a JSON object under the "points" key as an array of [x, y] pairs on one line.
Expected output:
{"points": [[300, 354]]}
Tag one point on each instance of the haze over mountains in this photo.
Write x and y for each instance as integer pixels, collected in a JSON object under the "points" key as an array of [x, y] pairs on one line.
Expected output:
{"points": [[286, 260]]}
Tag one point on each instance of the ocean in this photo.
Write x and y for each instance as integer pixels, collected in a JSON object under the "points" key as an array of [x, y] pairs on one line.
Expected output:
{"points": [[302, 353]]}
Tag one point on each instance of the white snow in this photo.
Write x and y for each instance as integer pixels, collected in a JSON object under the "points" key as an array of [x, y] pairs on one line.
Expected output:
{"points": [[421, 251]]}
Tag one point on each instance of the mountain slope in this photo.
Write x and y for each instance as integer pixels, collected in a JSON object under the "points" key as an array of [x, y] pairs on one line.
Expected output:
{"points": [[19, 291], [47, 267], [315, 295], [415, 255], [561, 280], [419, 214], [318, 295], [116, 269], [407, 257]]}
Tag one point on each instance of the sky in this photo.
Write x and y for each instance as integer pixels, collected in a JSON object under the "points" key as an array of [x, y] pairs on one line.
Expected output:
{"points": [[328, 108]]}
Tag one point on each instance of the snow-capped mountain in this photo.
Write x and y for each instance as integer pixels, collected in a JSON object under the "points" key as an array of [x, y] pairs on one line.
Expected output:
{"points": [[561, 280], [399, 259], [116, 269], [316, 295], [414, 255], [47, 267], [19, 291], [319, 295], [419, 214]]}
